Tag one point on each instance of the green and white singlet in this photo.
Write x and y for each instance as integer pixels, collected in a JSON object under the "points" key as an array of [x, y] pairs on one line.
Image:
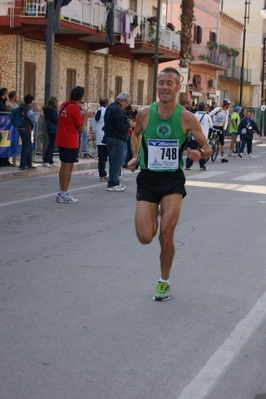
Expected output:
{"points": [[163, 142]]}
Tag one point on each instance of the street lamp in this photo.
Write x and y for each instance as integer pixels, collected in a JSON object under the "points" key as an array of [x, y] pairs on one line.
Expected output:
{"points": [[53, 24], [263, 14], [156, 54], [246, 17]]}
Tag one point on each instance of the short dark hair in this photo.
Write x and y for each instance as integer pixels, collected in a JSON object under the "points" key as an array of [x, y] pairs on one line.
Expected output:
{"points": [[28, 99], [3, 91], [103, 101], [201, 106], [77, 93], [172, 70], [12, 94]]}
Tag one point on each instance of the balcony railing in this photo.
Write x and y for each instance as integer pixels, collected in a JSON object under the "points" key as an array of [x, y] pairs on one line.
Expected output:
{"points": [[93, 14], [235, 73], [204, 54]]}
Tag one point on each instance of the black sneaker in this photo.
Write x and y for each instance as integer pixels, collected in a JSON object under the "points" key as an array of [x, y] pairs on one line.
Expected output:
{"points": [[32, 167], [224, 160]]}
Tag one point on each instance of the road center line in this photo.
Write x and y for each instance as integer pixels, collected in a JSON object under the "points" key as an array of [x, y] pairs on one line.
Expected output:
{"points": [[216, 366]]}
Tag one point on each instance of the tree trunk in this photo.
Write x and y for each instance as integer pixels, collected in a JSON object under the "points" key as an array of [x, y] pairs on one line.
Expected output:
{"points": [[187, 19]]}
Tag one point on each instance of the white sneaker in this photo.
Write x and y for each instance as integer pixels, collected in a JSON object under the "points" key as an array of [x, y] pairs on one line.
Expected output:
{"points": [[46, 165], [67, 199], [116, 188], [250, 155], [240, 154]]}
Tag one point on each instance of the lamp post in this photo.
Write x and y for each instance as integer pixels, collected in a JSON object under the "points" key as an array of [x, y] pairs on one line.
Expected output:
{"points": [[156, 54], [246, 18], [53, 24], [263, 14]]}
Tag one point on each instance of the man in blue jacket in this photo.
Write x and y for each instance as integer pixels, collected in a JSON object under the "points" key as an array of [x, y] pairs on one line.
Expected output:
{"points": [[116, 125], [245, 129]]}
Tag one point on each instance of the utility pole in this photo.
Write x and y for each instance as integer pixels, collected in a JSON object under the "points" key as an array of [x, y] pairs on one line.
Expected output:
{"points": [[53, 25], [246, 18], [156, 54]]}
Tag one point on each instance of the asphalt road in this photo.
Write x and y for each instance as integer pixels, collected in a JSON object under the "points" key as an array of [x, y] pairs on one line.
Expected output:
{"points": [[77, 319]]}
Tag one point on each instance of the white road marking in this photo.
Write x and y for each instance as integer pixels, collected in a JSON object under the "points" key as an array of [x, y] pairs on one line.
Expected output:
{"points": [[216, 366], [49, 195], [203, 175], [229, 186], [250, 176]]}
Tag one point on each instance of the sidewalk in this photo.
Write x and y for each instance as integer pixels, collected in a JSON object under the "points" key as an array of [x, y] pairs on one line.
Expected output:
{"points": [[13, 172]]}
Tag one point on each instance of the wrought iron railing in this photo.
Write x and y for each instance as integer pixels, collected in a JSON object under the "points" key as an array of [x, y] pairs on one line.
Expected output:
{"points": [[235, 73], [209, 55], [93, 14]]}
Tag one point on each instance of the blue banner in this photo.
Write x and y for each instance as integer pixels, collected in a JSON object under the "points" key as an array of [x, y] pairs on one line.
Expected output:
{"points": [[10, 142]]}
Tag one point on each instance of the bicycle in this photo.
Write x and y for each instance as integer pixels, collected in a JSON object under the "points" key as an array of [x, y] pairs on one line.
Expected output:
{"points": [[214, 143]]}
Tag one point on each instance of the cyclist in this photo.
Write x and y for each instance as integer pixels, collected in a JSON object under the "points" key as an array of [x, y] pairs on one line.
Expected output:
{"points": [[220, 117]]}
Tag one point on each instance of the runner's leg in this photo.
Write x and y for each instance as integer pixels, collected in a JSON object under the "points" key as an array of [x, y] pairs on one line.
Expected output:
{"points": [[170, 207]]}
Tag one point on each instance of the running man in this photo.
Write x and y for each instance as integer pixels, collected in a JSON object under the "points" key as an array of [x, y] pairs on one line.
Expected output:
{"points": [[157, 144]]}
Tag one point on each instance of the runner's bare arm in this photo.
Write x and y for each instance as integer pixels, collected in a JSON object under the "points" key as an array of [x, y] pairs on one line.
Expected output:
{"points": [[141, 123], [190, 123]]}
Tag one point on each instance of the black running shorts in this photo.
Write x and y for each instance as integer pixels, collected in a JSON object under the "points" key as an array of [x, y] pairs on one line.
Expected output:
{"points": [[68, 155], [220, 134], [153, 186]]}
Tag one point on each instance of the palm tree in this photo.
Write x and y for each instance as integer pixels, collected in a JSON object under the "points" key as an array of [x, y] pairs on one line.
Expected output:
{"points": [[187, 18]]}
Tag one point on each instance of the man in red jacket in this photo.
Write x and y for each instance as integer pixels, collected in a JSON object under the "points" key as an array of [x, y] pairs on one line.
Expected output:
{"points": [[70, 124]]}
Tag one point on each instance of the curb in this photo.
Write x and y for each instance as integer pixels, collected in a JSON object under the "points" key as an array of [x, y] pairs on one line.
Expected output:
{"points": [[9, 174]]}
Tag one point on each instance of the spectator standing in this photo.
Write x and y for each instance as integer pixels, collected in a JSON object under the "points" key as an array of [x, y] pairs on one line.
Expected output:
{"points": [[220, 117], [97, 128], [116, 125], [246, 128], [3, 109], [3, 99], [233, 128], [25, 131], [213, 106], [12, 101], [70, 124], [206, 123], [51, 118], [133, 116], [160, 135]]}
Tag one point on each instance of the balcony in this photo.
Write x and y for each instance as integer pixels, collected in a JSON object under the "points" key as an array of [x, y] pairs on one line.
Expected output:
{"points": [[211, 58], [234, 74], [82, 26]]}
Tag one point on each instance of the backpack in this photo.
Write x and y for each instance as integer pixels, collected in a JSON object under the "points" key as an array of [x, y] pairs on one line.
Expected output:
{"points": [[16, 117]]}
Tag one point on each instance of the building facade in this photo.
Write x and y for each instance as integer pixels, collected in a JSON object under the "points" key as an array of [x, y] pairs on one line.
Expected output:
{"points": [[104, 61]]}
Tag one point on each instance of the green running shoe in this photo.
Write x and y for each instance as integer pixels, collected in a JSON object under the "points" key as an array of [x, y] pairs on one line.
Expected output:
{"points": [[163, 292]]}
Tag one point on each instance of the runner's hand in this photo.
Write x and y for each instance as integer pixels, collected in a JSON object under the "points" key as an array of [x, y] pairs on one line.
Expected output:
{"points": [[133, 164], [194, 155]]}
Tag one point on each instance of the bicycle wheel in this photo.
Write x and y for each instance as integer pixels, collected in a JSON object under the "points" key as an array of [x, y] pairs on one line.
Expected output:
{"points": [[215, 150], [211, 144]]}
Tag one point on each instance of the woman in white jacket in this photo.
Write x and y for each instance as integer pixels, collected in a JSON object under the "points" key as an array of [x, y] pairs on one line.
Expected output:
{"points": [[98, 123]]}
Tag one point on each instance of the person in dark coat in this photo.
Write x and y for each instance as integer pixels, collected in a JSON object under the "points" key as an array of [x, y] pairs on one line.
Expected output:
{"points": [[30, 117], [51, 117], [116, 125], [246, 128]]}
